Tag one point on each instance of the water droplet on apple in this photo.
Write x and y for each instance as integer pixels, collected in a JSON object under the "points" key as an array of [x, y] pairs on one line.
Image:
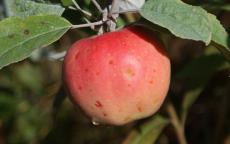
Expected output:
{"points": [[95, 122]]}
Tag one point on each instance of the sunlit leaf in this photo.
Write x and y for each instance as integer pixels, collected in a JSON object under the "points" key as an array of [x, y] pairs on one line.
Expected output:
{"points": [[220, 36], [20, 36], [182, 20], [129, 5], [27, 8]]}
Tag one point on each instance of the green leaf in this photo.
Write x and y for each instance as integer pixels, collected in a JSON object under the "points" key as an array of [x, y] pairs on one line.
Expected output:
{"points": [[20, 36], [1, 12], [216, 6], [148, 132], [130, 5], [189, 99], [25, 8], [220, 36], [67, 2], [182, 20]]}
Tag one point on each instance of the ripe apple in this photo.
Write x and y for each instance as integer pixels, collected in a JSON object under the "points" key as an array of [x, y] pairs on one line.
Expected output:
{"points": [[119, 76]]}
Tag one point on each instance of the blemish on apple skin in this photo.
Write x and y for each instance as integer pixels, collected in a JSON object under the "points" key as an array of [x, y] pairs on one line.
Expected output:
{"points": [[86, 70], [88, 50], [111, 62], [76, 56], [80, 87], [139, 109], [105, 114], [151, 81], [127, 119], [98, 104], [97, 73], [129, 73]]}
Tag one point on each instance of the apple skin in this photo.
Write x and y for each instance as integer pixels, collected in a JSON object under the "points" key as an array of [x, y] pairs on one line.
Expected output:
{"points": [[118, 77]]}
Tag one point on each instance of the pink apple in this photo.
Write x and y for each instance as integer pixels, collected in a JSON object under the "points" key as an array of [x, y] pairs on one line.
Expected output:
{"points": [[118, 77]]}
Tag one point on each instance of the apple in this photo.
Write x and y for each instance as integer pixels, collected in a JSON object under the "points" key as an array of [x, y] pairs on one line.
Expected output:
{"points": [[118, 77]]}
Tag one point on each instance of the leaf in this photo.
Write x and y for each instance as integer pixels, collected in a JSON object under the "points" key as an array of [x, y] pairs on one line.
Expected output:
{"points": [[182, 20], [189, 99], [20, 36], [220, 36], [1, 11], [216, 6], [67, 2], [148, 132], [129, 5], [25, 8]]}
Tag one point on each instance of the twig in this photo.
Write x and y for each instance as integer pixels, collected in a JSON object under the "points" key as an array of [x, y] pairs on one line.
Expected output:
{"points": [[79, 8], [97, 5], [100, 30], [88, 24], [114, 7], [127, 11], [179, 129], [57, 55], [112, 15]]}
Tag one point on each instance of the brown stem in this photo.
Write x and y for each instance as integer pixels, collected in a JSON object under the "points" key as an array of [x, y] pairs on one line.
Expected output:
{"points": [[179, 129]]}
